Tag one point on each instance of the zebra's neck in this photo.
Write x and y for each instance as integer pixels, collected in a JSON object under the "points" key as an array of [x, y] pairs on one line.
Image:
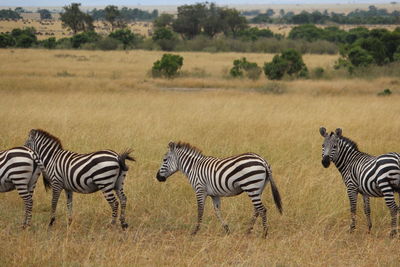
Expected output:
{"points": [[347, 155], [187, 159], [47, 150]]}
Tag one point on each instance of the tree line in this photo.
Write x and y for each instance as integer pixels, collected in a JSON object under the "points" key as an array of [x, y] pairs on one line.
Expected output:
{"points": [[373, 15]]}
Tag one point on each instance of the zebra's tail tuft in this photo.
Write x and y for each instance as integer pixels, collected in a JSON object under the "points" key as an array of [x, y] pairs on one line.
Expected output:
{"points": [[125, 156], [275, 194]]}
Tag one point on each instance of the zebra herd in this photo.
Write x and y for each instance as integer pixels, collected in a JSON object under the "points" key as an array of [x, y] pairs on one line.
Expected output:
{"points": [[105, 170]]}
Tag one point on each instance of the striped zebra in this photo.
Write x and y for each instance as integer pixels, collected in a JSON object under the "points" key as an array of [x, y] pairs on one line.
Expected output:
{"points": [[217, 178], [19, 170], [103, 170], [371, 176]]}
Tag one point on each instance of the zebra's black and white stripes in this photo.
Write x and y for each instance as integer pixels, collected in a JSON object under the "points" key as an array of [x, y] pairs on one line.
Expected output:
{"points": [[20, 171], [103, 170], [217, 178], [371, 176]]}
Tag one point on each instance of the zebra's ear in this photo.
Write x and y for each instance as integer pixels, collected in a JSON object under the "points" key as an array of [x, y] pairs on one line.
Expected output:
{"points": [[338, 132], [171, 145], [322, 131]]}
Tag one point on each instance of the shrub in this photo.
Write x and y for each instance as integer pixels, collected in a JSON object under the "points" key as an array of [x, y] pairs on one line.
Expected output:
{"points": [[168, 66], [165, 38], [49, 43], [24, 37], [108, 43], [289, 62], [85, 37], [6, 40], [360, 57], [240, 66], [385, 92], [318, 72]]}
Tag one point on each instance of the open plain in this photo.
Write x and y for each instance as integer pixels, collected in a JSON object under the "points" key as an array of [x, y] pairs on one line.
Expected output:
{"points": [[93, 100]]}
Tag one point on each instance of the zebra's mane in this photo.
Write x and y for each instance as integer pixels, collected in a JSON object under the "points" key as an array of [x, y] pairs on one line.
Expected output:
{"points": [[187, 146], [350, 142], [44, 133]]}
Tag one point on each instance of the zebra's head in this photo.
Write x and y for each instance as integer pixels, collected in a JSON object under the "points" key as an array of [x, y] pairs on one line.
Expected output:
{"points": [[30, 142], [330, 146], [169, 165]]}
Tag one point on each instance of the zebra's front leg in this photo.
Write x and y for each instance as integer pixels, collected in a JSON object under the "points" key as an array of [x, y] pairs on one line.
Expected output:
{"points": [[367, 211], [56, 195], [68, 194], [200, 196], [217, 205], [122, 199], [353, 208]]}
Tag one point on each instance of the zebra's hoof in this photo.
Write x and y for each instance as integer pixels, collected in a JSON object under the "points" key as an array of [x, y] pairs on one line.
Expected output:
{"points": [[52, 220], [393, 234], [226, 228], [124, 225]]}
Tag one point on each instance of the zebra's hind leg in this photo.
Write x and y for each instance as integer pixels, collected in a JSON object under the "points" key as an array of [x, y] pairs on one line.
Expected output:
{"points": [[110, 197], [56, 190], [217, 206], [201, 197], [259, 209], [122, 199], [367, 211], [252, 222], [28, 203], [394, 210], [68, 194]]}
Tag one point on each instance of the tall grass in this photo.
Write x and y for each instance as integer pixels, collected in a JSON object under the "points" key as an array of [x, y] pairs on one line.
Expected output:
{"points": [[96, 109]]}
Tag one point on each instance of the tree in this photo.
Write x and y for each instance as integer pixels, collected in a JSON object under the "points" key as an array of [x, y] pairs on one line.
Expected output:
{"points": [[289, 62], [6, 40], [9, 14], [44, 14], [163, 20], [189, 20], [125, 36], [233, 21], [165, 38], [113, 16], [75, 19], [24, 37]]}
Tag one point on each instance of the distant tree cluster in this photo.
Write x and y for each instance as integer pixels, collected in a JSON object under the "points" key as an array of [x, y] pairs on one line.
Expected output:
{"points": [[373, 15], [123, 14], [9, 14]]}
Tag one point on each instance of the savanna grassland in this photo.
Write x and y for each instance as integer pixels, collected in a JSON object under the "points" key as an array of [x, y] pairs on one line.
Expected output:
{"points": [[93, 100]]}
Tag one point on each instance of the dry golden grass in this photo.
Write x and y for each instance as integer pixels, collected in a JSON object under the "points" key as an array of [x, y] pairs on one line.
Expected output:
{"points": [[109, 102]]}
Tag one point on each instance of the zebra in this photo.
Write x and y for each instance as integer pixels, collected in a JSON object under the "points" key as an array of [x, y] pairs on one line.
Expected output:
{"points": [[20, 170], [217, 178], [103, 170], [371, 176]]}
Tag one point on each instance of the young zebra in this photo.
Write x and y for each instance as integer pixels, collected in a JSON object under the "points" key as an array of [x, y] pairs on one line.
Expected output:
{"points": [[20, 171], [103, 170], [371, 176], [217, 178]]}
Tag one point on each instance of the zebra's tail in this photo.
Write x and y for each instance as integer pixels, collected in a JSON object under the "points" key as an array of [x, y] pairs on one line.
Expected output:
{"points": [[275, 193], [46, 178], [125, 156]]}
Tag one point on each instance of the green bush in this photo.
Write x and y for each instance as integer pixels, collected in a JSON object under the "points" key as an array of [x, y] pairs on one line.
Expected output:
{"points": [[24, 37], [385, 92], [165, 38], [359, 57], [289, 62], [108, 43], [49, 43], [168, 66], [6, 40], [85, 37], [318, 72], [242, 66]]}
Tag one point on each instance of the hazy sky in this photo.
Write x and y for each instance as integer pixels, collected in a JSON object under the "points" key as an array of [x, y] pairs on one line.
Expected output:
{"points": [[42, 3]]}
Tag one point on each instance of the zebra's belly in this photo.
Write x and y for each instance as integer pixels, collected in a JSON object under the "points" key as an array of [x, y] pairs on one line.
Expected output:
{"points": [[85, 187], [229, 193]]}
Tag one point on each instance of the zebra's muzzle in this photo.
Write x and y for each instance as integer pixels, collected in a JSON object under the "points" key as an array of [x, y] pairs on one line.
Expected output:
{"points": [[326, 161], [160, 178]]}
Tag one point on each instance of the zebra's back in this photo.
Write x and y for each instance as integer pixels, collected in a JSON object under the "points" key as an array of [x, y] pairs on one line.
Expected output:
{"points": [[86, 173], [383, 168], [16, 168]]}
